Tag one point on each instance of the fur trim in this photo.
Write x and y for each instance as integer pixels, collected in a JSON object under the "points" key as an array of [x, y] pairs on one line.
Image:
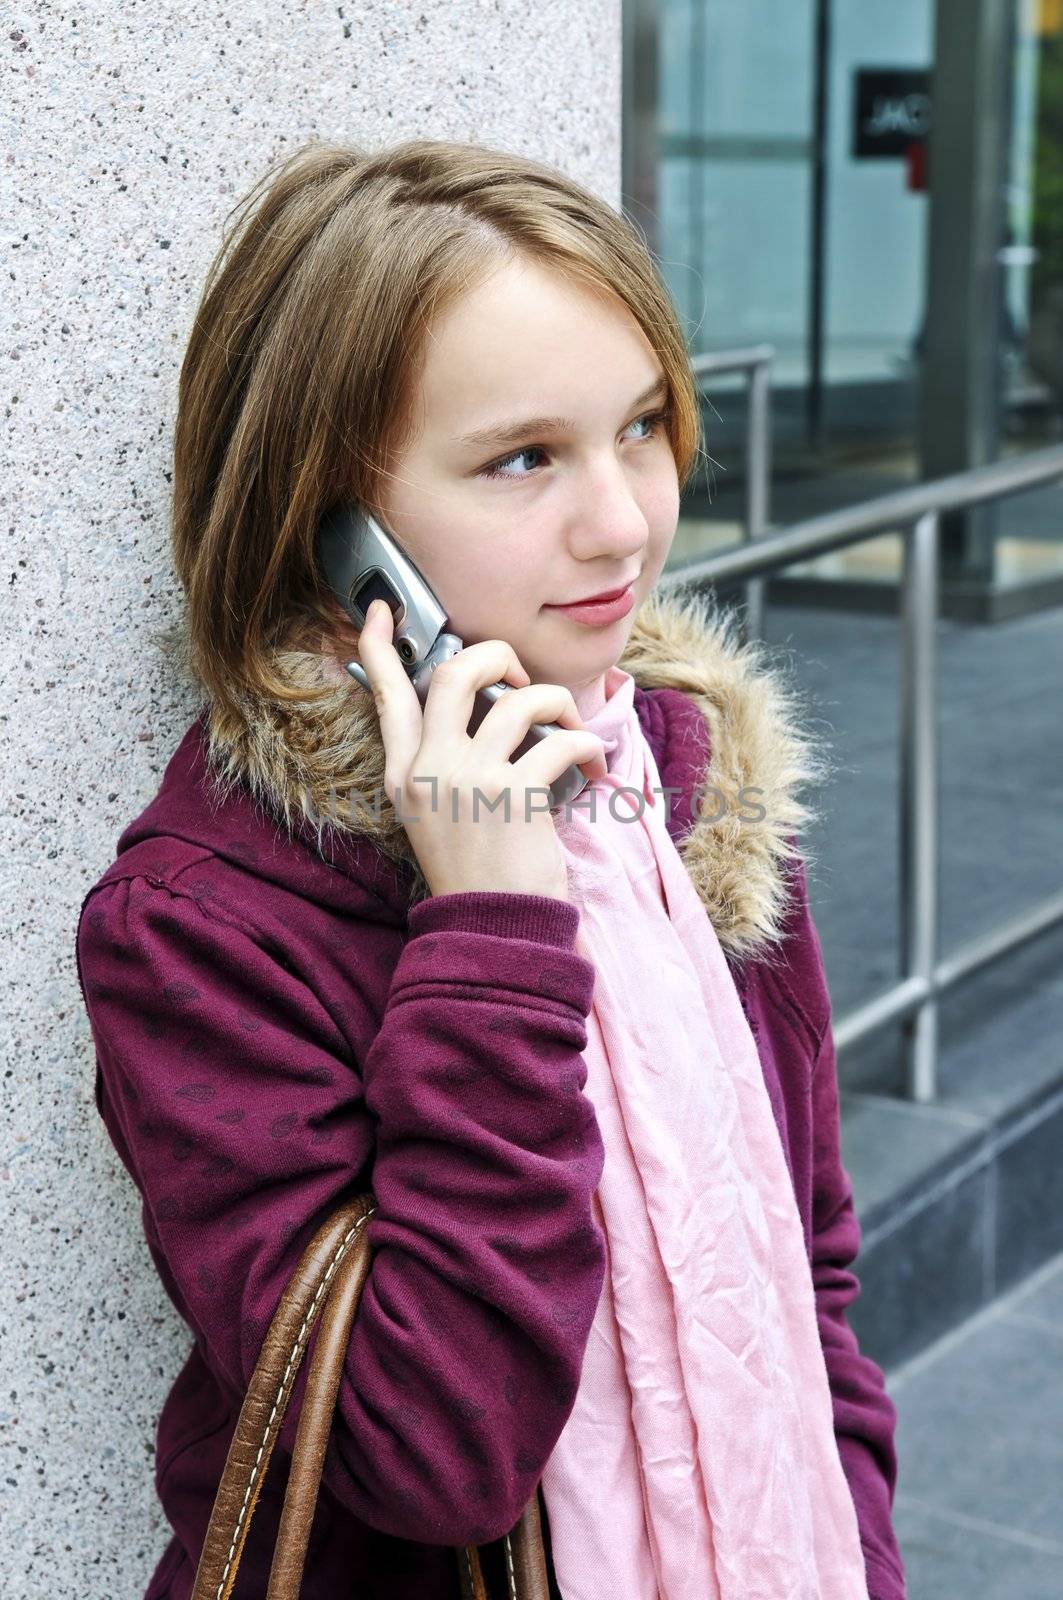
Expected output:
{"points": [[321, 768], [759, 740]]}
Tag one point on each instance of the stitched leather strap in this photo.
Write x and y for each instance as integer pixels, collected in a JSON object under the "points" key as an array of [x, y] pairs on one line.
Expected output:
{"points": [[315, 1421], [268, 1394], [526, 1556], [470, 1574], [326, 1285], [525, 1561]]}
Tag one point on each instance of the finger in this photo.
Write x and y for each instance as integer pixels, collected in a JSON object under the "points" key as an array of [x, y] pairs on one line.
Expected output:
{"points": [[507, 722], [451, 698], [550, 757], [568, 715], [394, 695]]}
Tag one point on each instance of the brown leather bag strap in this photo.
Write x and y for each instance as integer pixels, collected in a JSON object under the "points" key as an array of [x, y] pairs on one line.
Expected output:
{"points": [[315, 1421], [327, 1284], [268, 1394], [470, 1573], [526, 1556], [525, 1559]]}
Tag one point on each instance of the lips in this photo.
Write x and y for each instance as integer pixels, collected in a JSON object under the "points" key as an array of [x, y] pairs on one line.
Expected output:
{"points": [[594, 599]]}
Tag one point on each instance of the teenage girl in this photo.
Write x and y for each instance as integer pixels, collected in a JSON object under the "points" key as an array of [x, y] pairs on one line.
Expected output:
{"points": [[582, 1056]]}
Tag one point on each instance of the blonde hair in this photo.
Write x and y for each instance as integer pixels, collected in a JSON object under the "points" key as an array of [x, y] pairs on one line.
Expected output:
{"points": [[298, 380]]}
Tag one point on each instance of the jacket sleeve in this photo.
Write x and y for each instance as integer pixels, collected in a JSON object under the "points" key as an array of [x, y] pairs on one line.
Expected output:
{"points": [[865, 1418], [243, 1122]]}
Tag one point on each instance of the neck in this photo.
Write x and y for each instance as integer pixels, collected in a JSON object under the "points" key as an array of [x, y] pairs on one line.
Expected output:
{"points": [[591, 697]]}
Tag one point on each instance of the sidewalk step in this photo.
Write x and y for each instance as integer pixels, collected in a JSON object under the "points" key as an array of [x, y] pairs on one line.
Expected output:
{"points": [[980, 1452], [961, 1199], [954, 1209]]}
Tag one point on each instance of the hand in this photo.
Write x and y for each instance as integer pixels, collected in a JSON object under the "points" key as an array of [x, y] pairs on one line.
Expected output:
{"points": [[514, 847]]}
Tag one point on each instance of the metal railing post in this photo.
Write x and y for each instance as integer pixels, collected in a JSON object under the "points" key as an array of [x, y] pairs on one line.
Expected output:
{"points": [[756, 362], [920, 790], [758, 482], [913, 999]]}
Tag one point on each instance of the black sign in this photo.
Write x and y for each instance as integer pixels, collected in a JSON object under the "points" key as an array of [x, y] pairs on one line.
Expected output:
{"points": [[891, 110]]}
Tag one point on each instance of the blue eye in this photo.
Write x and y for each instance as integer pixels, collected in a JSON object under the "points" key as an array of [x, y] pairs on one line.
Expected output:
{"points": [[656, 420]]}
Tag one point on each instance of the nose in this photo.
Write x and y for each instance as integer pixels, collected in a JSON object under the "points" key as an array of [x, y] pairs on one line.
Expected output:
{"points": [[608, 521]]}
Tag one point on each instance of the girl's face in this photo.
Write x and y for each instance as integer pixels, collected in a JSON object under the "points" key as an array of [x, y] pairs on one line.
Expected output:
{"points": [[569, 487]]}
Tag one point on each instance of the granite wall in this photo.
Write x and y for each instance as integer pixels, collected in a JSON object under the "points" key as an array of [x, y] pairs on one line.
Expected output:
{"points": [[129, 133]]}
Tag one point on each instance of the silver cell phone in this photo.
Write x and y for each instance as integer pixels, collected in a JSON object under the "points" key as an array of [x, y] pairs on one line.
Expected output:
{"points": [[362, 563]]}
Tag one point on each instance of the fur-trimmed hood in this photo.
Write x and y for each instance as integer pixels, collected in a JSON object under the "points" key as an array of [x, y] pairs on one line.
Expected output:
{"points": [[303, 762]]}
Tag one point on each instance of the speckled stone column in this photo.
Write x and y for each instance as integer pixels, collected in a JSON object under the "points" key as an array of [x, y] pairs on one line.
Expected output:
{"points": [[129, 133]]}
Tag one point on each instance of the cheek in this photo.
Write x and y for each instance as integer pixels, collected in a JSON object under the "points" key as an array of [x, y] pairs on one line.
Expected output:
{"points": [[660, 505], [663, 507], [452, 560], [488, 588]]}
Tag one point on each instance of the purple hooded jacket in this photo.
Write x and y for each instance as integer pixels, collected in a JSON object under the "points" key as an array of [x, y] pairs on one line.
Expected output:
{"points": [[276, 1031]]}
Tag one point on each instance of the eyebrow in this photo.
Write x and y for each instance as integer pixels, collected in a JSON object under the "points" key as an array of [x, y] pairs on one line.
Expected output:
{"points": [[514, 432]]}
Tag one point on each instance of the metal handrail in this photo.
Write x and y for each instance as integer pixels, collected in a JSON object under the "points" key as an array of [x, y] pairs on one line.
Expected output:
{"points": [[756, 361], [915, 513]]}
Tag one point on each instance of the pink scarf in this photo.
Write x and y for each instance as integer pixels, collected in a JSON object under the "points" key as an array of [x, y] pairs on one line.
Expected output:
{"points": [[699, 1459]]}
